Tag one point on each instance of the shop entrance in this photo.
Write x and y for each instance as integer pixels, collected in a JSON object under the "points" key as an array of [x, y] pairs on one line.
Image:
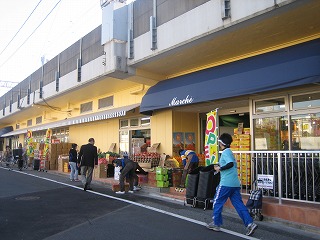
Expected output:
{"points": [[134, 141], [227, 124]]}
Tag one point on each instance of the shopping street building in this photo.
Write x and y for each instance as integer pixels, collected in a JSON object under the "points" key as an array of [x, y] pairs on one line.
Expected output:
{"points": [[153, 70]]}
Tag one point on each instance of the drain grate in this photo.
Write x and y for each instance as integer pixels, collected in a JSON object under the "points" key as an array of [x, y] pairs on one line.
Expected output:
{"points": [[28, 198]]}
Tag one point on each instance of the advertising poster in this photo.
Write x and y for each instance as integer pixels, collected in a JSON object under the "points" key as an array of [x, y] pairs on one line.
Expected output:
{"points": [[30, 145], [265, 181], [47, 142], [211, 139], [190, 142], [178, 142]]}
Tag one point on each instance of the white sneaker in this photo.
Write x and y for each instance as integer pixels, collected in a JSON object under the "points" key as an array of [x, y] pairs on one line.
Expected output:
{"points": [[120, 192], [130, 191], [136, 188], [251, 228], [213, 227]]}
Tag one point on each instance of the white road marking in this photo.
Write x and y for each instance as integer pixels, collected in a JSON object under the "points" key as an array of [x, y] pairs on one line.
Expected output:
{"points": [[139, 205]]}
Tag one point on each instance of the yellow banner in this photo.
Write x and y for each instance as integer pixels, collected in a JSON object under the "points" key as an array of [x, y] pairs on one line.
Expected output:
{"points": [[30, 146], [47, 142], [211, 139]]}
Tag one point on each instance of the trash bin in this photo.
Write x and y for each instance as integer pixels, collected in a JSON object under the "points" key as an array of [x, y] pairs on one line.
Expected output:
{"points": [[207, 184], [36, 164], [192, 186]]}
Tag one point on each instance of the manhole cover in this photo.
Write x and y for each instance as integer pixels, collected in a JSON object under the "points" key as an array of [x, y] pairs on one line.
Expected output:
{"points": [[29, 198]]}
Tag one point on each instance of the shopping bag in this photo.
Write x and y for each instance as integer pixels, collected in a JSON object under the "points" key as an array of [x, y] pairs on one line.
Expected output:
{"points": [[117, 173]]}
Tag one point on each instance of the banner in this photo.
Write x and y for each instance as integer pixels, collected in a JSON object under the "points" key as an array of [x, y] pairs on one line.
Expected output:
{"points": [[211, 138], [46, 143], [30, 145]]}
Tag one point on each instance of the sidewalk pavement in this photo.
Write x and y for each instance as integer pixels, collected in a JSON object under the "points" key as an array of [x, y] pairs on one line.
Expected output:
{"points": [[178, 195]]}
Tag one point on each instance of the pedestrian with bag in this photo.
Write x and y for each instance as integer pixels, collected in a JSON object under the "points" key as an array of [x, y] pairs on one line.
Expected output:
{"points": [[128, 168], [73, 160], [229, 187], [87, 159]]}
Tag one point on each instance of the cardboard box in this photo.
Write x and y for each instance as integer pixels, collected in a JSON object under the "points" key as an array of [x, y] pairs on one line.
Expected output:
{"points": [[142, 178], [152, 182], [246, 131], [151, 176], [53, 166], [100, 171], [61, 162], [116, 187], [66, 167]]}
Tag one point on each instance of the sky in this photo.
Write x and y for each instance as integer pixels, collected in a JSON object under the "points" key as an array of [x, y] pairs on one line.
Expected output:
{"points": [[32, 30]]}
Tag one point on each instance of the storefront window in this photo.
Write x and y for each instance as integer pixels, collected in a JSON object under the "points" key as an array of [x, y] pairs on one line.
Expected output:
{"points": [[134, 122], [124, 123], [306, 132], [271, 133], [145, 121], [306, 101], [124, 141], [270, 105]]}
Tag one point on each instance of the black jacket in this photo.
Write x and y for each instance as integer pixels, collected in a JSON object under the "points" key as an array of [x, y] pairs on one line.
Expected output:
{"points": [[88, 155], [73, 155]]}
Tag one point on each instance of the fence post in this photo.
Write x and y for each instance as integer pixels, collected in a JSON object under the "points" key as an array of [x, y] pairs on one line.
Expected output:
{"points": [[280, 178]]}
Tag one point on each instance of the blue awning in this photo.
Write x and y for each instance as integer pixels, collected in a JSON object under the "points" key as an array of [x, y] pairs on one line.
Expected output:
{"points": [[288, 67]]}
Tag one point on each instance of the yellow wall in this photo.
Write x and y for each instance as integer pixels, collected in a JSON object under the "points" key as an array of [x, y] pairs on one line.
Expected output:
{"points": [[123, 97], [161, 131], [104, 132], [164, 123]]}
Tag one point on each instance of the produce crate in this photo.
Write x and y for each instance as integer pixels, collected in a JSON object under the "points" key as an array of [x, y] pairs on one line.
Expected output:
{"points": [[161, 171], [162, 184], [161, 177]]}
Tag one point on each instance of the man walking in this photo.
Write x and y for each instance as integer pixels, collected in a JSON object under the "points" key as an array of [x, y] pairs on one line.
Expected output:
{"points": [[229, 187], [87, 159]]}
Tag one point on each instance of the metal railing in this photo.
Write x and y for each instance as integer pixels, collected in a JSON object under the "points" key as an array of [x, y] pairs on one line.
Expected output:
{"points": [[296, 174]]}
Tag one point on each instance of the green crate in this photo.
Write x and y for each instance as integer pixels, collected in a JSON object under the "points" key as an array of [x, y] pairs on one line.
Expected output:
{"points": [[161, 171], [161, 177], [162, 184]]}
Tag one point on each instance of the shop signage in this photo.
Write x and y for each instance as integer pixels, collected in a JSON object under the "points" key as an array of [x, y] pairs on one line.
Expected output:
{"points": [[30, 145], [211, 138], [265, 181], [175, 101]]}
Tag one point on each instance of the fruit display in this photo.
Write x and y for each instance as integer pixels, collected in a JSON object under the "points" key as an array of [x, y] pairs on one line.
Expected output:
{"points": [[106, 157], [151, 159]]}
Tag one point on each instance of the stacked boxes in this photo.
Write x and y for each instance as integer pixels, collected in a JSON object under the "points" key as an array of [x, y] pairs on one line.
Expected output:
{"points": [[100, 171], [55, 150], [152, 181], [242, 142], [66, 167], [162, 177], [62, 160]]}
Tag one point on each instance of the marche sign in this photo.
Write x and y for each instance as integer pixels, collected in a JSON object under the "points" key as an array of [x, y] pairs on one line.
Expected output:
{"points": [[211, 138]]}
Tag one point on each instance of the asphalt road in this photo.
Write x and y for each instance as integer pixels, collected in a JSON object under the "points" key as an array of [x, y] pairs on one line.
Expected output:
{"points": [[39, 205]]}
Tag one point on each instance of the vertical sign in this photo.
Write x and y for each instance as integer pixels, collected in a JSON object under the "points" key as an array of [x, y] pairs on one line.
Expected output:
{"points": [[30, 149], [46, 143], [211, 138]]}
